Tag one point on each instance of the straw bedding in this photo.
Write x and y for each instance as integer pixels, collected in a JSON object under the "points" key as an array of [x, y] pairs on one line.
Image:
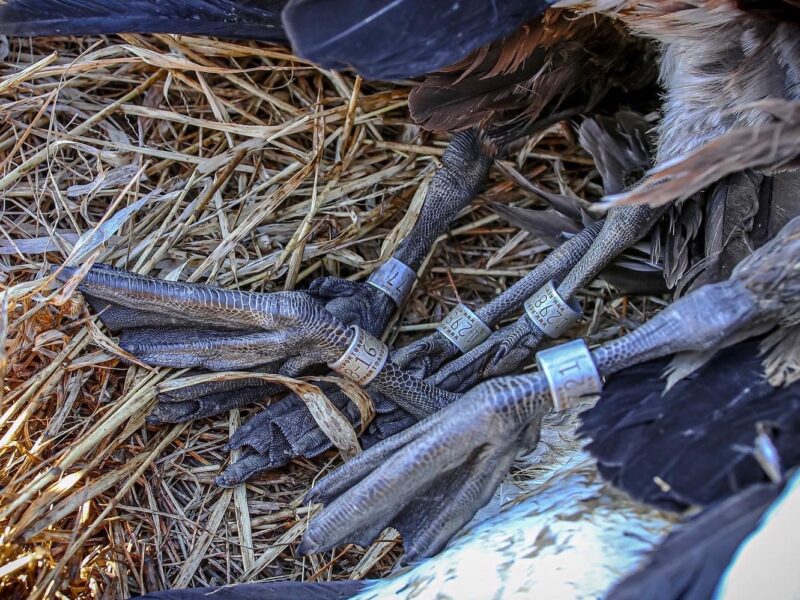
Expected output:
{"points": [[226, 163]]}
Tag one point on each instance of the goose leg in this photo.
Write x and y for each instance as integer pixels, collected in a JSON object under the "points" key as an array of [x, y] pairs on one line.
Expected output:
{"points": [[420, 359], [426, 355], [500, 416], [448, 463], [509, 349], [578, 261], [465, 165], [276, 325], [464, 168]]}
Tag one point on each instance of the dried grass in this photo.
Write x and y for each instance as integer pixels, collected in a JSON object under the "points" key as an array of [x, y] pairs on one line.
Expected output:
{"points": [[228, 163]]}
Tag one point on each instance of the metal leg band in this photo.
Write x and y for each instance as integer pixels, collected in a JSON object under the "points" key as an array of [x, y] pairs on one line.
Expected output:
{"points": [[570, 373], [364, 358], [550, 312], [464, 328], [395, 279]]}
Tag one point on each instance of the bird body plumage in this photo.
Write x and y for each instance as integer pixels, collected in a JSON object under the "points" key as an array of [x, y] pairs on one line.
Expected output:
{"points": [[253, 19]]}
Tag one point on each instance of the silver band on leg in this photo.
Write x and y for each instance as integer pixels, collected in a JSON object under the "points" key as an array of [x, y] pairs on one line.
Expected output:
{"points": [[464, 328], [550, 312], [364, 358], [395, 279], [570, 373]]}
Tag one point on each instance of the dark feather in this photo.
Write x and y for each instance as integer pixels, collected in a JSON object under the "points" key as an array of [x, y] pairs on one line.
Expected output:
{"points": [[690, 562], [550, 226], [684, 224], [249, 19], [620, 146], [571, 207], [694, 444], [621, 151], [549, 70], [281, 590], [731, 208], [779, 10], [774, 146], [742, 212], [779, 203], [636, 277], [393, 39]]}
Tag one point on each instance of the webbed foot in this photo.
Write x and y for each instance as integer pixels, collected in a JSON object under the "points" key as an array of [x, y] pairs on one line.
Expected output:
{"points": [[505, 351], [427, 481], [182, 325], [208, 399], [354, 302], [286, 430], [282, 431]]}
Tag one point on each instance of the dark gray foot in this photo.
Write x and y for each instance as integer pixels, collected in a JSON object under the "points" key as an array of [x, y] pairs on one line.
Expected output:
{"points": [[427, 481], [286, 430], [215, 397], [205, 400], [190, 326], [505, 351], [425, 356], [354, 303], [513, 347], [274, 436]]}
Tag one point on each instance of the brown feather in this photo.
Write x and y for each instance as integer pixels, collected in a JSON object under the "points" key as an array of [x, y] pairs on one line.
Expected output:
{"points": [[774, 145], [551, 69]]}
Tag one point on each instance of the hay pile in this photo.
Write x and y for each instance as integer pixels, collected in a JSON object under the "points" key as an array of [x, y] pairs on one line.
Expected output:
{"points": [[225, 163]]}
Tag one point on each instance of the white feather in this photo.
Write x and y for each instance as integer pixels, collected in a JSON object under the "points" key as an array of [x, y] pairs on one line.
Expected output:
{"points": [[561, 532]]}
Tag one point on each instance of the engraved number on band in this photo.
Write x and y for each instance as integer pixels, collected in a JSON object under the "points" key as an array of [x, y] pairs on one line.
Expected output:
{"points": [[363, 359], [464, 328], [395, 279], [550, 312], [570, 373]]}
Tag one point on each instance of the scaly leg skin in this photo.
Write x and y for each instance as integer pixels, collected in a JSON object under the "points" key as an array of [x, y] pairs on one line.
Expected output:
{"points": [[426, 355], [419, 359], [431, 479], [509, 349], [278, 325], [465, 166], [580, 259]]}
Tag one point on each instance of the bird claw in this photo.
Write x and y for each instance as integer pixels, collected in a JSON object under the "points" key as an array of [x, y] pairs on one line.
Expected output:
{"points": [[423, 357], [427, 481], [353, 302], [503, 352], [206, 400]]}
